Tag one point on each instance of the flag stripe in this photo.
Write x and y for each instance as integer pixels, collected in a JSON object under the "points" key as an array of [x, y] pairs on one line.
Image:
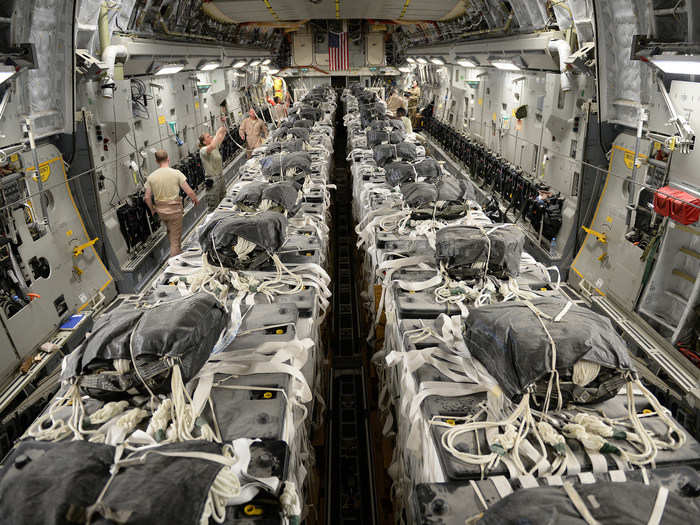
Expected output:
{"points": [[338, 51]]}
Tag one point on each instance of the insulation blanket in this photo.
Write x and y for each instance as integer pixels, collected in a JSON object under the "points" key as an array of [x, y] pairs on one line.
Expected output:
{"points": [[508, 339], [464, 250]]}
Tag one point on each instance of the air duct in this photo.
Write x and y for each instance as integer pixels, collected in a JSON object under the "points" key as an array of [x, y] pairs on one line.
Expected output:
{"points": [[562, 48], [109, 52]]}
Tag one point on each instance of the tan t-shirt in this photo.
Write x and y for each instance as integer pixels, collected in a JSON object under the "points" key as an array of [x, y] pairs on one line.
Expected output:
{"points": [[212, 162], [165, 184]]}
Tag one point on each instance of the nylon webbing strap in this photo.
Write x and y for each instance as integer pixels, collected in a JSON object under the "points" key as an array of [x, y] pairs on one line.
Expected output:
{"points": [[579, 504], [659, 506]]}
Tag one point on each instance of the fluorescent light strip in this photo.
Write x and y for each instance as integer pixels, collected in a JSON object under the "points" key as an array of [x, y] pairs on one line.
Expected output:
{"points": [[677, 64], [465, 62], [421, 60], [239, 63], [209, 66], [6, 73], [256, 62], [437, 61], [505, 65], [169, 69], [410, 60]]}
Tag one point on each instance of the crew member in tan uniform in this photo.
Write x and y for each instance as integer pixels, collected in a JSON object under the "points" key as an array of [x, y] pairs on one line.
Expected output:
{"points": [[413, 100], [213, 165], [253, 131], [395, 102], [163, 186]]}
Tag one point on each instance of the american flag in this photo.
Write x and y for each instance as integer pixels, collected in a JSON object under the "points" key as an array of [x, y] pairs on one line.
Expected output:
{"points": [[338, 51]]}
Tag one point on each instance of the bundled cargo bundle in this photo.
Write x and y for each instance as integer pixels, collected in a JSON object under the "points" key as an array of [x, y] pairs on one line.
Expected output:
{"points": [[467, 252], [294, 166], [383, 153], [446, 199], [384, 137], [133, 350], [428, 170], [243, 242]]}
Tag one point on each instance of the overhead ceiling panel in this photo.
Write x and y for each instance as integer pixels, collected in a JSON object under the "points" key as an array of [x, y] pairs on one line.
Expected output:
{"points": [[286, 10]]}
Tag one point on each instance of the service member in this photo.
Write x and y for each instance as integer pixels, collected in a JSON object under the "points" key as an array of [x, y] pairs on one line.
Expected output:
{"points": [[213, 166], [253, 131], [163, 186]]}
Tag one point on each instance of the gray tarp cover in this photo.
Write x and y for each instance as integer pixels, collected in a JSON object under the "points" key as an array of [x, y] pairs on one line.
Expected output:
{"points": [[279, 163], [400, 172], [626, 503], [510, 342], [418, 194], [459, 247], [267, 230], [285, 194], [383, 153], [55, 483], [186, 329], [384, 137], [250, 194]]}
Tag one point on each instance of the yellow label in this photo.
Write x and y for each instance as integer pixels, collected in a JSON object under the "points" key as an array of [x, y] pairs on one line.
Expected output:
{"points": [[14, 157], [450, 422], [657, 145], [279, 331], [161, 119], [44, 172], [609, 219], [196, 105], [629, 160], [480, 102], [69, 233], [513, 113], [494, 116], [267, 395]]}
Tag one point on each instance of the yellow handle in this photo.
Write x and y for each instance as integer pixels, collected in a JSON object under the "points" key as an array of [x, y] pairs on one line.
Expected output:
{"points": [[600, 236], [78, 250]]}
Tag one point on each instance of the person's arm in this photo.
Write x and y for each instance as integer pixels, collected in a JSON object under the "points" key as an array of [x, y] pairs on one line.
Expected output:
{"points": [[191, 194], [241, 129], [217, 140], [148, 198]]}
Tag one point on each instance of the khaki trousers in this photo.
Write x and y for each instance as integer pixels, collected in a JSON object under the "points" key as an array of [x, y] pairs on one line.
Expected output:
{"points": [[171, 216]]}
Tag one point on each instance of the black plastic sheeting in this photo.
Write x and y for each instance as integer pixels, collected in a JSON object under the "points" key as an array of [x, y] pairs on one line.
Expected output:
{"points": [[400, 172], [509, 341], [59, 483], [279, 164], [448, 189], [628, 503], [465, 249], [284, 195], [250, 194], [383, 153], [267, 230], [185, 330], [384, 137]]}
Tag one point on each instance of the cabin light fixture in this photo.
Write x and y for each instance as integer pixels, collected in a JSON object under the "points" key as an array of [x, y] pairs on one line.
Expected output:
{"points": [[405, 69], [255, 62], [421, 60], [467, 62], [677, 64], [273, 71], [239, 63], [410, 60], [266, 62], [168, 69], [508, 64], [209, 65], [6, 73], [437, 61]]}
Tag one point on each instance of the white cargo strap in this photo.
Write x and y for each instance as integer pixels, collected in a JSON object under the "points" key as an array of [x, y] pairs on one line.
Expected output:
{"points": [[438, 388], [659, 506], [586, 478], [579, 504], [475, 487], [502, 486], [528, 482], [618, 476], [554, 481]]}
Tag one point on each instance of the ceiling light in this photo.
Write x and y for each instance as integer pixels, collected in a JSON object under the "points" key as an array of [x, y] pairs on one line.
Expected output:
{"points": [[410, 60], [437, 61], [505, 64], [168, 69], [209, 66], [266, 61], [255, 62], [6, 73], [405, 69], [239, 63], [421, 60], [467, 62], [273, 71], [677, 64]]}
